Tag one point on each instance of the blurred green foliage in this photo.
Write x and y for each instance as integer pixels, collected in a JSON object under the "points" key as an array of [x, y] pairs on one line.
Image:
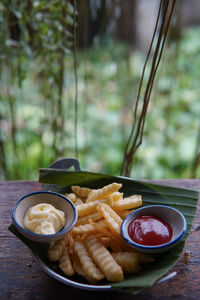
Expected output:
{"points": [[108, 80]]}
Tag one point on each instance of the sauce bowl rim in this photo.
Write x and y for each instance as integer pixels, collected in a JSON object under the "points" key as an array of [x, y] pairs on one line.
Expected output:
{"points": [[173, 241], [61, 231]]}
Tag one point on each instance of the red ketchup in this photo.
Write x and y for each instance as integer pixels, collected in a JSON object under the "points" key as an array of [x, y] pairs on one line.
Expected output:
{"points": [[150, 231]]}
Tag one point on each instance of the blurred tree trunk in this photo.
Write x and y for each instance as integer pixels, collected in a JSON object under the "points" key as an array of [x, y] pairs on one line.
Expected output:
{"points": [[92, 21], [125, 13], [83, 23], [119, 16]]}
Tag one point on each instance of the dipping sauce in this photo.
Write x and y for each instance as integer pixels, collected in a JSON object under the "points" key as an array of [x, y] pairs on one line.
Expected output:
{"points": [[44, 218], [150, 231]]}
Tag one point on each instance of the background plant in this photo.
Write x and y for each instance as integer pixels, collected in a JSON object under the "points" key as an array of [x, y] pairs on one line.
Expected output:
{"points": [[37, 96]]}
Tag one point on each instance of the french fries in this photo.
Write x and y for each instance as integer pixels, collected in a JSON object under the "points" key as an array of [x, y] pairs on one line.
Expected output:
{"points": [[104, 259], [103, 192], [129, 261], [85, 219], [56, 249], [65, 263], [81, 229], [128, 203], [111, 218], [81, 192], [94, 248], [90, 207], [87, 263]]}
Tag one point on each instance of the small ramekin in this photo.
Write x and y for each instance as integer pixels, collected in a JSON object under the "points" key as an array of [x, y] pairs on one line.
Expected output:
{"points": [[169, 214], [57, 200]]}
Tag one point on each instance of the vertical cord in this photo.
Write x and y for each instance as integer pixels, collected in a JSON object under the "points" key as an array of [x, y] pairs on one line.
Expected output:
{"points": [[135, 138]]}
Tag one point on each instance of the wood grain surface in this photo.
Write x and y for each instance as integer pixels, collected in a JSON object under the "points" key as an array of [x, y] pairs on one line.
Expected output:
{"points": [[21, 277]]}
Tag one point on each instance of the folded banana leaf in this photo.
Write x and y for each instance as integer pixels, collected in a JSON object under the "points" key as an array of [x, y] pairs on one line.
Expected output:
{"points": [[184, 200]]}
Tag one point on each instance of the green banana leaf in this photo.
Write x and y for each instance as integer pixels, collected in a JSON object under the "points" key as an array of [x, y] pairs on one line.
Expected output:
{"points": [[185, 200]]}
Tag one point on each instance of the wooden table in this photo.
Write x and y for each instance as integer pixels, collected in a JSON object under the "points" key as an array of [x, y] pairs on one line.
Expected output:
{"points": [[21, 278]]}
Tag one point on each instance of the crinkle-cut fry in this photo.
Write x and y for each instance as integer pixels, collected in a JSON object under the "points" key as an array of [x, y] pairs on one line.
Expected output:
{"points": [[110, 211], [103, 192], [116, 242], [65, 263], [116, 196], [81, 229], [99, 224], [101, 228], [116, 245], [82, 237], [70, 239], [124, 213], [104, 240], [104, 259], [71, 197], [56, 249], [84, 220], [79, 269], [66, 239], [78, 201], [112, 220], [129, 261], [86, 261], [128, 203], [91, 196], [81, 192], [90, 207], [145, 258], [77, 265]]}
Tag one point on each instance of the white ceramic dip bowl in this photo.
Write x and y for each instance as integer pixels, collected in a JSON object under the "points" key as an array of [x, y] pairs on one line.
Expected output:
{"points": [[57, 200], [166, 213]]}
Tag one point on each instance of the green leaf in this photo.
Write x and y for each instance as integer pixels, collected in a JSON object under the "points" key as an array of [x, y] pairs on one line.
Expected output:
{"points": [[70, 8], [183, 199], [152, 272]]}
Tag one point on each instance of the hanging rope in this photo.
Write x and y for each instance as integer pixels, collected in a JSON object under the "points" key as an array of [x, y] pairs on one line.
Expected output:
{"points": [[165, 11]]}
